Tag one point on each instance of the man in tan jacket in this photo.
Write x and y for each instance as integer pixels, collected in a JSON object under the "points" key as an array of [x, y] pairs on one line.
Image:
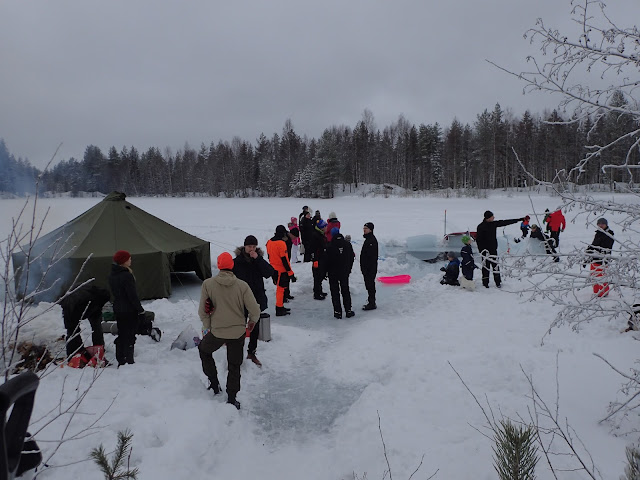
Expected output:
{"points": [[223, 302]]}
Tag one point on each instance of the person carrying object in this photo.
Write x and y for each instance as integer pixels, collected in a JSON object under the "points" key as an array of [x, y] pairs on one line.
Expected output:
{"points": [[451, 271], [227, 298], [250, 266], [126, 306], [279, 260]]}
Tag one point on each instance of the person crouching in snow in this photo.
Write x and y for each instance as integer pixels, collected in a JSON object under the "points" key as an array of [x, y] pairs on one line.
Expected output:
{"points": [[228, 298], [451, 271], [468, 264], [548, 241]]}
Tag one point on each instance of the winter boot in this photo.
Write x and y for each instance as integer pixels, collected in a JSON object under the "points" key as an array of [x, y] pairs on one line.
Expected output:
{"points": [[318, 296], [350, 313], [232, 400], [130, 350], [289, 296], [369, 306], [254, 359], [337, 314], [281, 312], [120, 352], [215, 386]]}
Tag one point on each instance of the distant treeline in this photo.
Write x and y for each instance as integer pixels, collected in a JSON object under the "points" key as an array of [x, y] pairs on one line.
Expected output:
{"points": [[422, 157]]}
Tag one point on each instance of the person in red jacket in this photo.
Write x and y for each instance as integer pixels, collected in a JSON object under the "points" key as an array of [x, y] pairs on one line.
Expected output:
{"points": [[332, 222], [556, 223], [279, 260]]}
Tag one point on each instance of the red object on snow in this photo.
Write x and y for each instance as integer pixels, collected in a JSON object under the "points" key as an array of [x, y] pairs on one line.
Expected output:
{"points": [[396, 279], [600, 289]]}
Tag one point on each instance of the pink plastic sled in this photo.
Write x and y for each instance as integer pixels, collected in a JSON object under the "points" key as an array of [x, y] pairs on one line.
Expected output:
{"points": [[396, 279]]}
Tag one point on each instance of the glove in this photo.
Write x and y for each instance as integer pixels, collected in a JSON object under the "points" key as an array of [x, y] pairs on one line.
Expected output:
{"points": [[208, 306], [442, 269], [293, 279], [250, 326], [141, 316], [205, 331]]}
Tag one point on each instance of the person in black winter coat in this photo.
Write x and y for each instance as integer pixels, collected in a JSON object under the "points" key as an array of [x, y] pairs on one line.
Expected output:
{"points": [[306, 236], [369, 264], [488, 245], [602, 244], [250, 266], [538, 234], [340, 259], [85, 302], [126, 306], [317, 255], [468, 264], [451, 271]]}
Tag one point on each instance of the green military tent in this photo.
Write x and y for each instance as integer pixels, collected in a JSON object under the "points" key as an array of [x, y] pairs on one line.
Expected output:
{"points": [[156, 248]]}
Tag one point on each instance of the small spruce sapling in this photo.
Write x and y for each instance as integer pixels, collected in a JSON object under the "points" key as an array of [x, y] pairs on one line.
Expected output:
{"points": [[113, 470], [515, 451]]}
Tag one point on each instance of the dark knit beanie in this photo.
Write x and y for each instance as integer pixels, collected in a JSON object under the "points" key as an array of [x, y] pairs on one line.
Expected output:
{"points": [[488, 214], [369, 225], [281, 231], [121, 256], [250, 240]]}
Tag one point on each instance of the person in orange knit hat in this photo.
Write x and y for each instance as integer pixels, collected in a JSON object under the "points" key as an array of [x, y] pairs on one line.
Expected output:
{"points": [[223, 301], [279, 260]]}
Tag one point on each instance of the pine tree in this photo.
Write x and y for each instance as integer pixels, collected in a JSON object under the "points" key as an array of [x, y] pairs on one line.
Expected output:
{"points": [[632, 470], [114, 470], [515, 452]]}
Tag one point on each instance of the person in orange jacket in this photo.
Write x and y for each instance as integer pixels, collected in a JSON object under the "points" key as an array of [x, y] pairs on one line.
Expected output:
{"points": [[556, 223], [279, 260]]}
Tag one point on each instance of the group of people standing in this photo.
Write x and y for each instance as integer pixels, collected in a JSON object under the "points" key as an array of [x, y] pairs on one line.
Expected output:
{"points": [[234, 301], [486, 238]]}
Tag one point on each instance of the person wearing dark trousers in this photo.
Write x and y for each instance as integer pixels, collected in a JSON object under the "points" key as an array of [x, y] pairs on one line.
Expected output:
{"points": [[546, 240], [126, 306], [369, 264], [251, 267], [306, 233], [224, 299], [340, 259], [486, 238], [317, 248], [556, 223], [451, 271], [85, 302]]}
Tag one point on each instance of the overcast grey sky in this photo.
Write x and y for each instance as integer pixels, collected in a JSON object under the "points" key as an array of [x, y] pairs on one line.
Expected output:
{"points": [[162, 73]]}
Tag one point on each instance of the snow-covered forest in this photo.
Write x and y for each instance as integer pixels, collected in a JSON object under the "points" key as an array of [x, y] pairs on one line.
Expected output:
{"points": [[418, 157]]}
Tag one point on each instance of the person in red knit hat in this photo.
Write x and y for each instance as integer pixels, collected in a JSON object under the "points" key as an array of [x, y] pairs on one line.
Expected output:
{"points": [[126, 306]]}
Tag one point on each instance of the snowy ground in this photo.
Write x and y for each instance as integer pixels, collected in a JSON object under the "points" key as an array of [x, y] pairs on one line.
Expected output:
{"points": [[312, 410]]}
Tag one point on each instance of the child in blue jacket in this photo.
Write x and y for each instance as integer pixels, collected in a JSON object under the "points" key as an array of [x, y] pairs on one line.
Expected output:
{"points": [[451, 271]]}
